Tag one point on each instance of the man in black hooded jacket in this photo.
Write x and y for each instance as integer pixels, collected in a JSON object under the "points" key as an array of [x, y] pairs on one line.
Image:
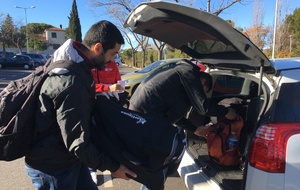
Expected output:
{"points": [[172, 91]]}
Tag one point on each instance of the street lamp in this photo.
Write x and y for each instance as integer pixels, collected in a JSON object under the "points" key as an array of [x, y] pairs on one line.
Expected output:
{"points": [[25, 8]]}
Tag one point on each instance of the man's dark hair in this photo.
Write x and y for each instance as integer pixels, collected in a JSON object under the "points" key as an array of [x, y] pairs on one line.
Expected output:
{"points": [[104, 32], [208, 81]]}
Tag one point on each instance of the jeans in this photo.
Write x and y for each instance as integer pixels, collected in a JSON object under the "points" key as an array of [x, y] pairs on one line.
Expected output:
{"points": [[76, 178]]}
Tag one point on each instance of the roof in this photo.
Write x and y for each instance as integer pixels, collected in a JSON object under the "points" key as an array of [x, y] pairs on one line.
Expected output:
{"points": [[42, 37], [286, 63], [54, 29]]}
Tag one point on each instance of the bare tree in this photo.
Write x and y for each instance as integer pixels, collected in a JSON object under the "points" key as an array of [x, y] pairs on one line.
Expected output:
{"points": [[221, 5], [129, 36], [160, 46], [282, 29], [258, 33], [120, 9], [19, 39]]}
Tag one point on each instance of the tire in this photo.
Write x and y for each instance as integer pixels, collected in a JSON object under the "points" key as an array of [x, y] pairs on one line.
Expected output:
{"points": [[26, 67], [1, 66], [36, 64]]}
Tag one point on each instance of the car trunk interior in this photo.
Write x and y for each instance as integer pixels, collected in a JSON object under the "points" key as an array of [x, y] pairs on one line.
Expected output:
{"points": [[228, 177]]}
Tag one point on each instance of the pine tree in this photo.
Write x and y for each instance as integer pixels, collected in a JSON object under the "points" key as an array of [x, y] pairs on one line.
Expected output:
{"points": [[74, 29]]}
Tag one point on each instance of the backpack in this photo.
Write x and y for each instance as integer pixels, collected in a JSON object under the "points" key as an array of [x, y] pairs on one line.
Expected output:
{"points": [[18, 102], [217, 141], [146, 144]]}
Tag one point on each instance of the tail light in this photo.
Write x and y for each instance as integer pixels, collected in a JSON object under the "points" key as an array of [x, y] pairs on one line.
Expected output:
{"points": [[268, 148]]}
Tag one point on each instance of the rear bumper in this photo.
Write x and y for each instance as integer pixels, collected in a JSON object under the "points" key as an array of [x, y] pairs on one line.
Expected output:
{"points": [[194, 178]]}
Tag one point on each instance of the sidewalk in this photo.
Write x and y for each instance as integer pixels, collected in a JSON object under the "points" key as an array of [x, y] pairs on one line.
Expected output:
{"points": [[13, 176]]}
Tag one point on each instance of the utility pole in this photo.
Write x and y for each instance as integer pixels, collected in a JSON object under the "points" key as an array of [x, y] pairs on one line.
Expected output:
{"points": [[274, 32], [27, 37]]}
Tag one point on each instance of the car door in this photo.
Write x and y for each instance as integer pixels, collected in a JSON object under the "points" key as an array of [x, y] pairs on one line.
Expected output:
{"points": [[20, 60], [13, 62]]}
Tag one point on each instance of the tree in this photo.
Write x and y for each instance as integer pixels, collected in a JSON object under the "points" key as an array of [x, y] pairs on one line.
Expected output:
{"points": [[37, 28], [37, 45], [120, 9], [294, 29], [258, 32], [74, 29], [19, 39], [160, 46], [7, 31], [258, 35], [282, 33]]}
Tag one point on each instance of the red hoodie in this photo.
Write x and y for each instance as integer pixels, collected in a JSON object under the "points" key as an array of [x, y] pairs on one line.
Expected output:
{"points": [[104, 78]]}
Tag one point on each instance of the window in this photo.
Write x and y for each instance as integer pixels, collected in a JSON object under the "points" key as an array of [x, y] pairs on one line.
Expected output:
{"points": [[228, 85], [53, 35]]}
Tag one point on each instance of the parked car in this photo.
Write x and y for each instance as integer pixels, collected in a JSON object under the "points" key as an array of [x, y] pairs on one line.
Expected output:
{"points": [[269, 90], [46, 57], [133, 79], [23, 61], [118, 60], [37, 58], [8, 54]]}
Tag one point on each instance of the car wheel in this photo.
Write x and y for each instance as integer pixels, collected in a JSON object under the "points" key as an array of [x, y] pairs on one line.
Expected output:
{"points": [[36, 64], [26, 67], [1, 66]]}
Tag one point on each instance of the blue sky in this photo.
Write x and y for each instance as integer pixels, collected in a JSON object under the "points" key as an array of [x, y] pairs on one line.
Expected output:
{"points": [[56, 12]]}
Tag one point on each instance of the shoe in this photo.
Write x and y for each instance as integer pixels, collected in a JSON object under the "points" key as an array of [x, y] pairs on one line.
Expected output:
{"points": [[94, 177]]}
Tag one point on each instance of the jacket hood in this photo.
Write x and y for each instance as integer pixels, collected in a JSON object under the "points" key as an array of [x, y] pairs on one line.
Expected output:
{"points": [[67, 52]]}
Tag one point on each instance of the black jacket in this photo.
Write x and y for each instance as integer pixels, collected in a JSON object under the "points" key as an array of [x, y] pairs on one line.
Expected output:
{"points": [[172, 92], [63, 123]]}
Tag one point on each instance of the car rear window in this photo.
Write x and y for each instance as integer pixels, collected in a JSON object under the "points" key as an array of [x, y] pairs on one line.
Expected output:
{"points": [[228, 85], [287, 106]]}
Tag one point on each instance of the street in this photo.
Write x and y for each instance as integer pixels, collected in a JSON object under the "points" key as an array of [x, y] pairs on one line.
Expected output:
{"points": [[14, 177]]}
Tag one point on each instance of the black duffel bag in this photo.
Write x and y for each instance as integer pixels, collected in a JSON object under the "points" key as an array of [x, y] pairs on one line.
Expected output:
{"points": [[145, 144]]}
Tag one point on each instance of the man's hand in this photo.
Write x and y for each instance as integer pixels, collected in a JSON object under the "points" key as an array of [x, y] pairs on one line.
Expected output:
{"points": [[116, 88], [122, 171], [231, 114]]}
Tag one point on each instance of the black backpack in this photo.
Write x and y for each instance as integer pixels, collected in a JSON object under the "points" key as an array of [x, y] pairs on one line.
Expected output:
{"points": [[18, 103], [146, 144]]}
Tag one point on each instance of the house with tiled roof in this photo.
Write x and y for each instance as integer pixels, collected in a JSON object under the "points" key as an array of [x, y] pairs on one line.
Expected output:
{"points": [[54, 38]]}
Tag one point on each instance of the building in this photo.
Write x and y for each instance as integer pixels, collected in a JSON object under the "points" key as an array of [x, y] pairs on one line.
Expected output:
{"points": [[54, 38]]}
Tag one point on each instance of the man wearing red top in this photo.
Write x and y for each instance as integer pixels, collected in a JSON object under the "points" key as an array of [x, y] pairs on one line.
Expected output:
{"points": [[107, 80]]}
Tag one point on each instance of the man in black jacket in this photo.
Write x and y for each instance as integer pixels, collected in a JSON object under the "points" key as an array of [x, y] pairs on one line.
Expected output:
{"points": [[171, 92], [63, 150]]}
